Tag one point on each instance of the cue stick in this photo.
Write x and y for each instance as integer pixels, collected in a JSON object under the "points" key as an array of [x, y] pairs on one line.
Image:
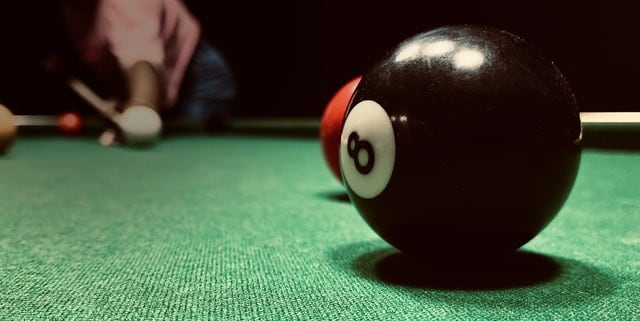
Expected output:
{"points": [[49, 121], [104, 107], [610, 117]]}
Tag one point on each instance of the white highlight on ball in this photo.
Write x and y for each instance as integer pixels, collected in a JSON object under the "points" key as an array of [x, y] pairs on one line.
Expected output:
{"points": [[468, 59], [426, 50], [438, 48], [408, 53]]}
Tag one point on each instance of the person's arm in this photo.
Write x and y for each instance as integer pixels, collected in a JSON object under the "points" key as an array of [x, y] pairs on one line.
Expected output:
{"points": [[134, 37], [144, 85]]}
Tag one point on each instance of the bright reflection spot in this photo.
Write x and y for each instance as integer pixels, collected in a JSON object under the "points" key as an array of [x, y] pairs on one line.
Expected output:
{"points": [[408, 53], [401, 118], [468, 59], [438, 48]]}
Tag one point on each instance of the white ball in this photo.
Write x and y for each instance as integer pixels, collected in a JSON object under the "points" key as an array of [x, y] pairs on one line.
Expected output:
{"points": [[140, 125]]}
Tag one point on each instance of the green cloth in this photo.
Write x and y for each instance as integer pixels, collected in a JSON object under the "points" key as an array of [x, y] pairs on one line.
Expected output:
{"points": [[240, 227]]}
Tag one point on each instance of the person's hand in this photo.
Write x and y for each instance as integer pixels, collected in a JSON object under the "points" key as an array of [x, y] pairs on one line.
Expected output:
{"points": [[110, 137]]}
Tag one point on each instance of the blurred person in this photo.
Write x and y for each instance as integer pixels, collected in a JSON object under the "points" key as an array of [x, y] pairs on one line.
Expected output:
{"points": [[151, 53]]}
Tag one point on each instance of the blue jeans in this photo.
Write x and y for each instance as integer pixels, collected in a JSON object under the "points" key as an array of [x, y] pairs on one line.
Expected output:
{"points": [[208, 88]]}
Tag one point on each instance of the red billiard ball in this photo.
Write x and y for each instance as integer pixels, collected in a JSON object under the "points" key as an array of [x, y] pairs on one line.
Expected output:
{"points": [[331, 125], [70, 123]]}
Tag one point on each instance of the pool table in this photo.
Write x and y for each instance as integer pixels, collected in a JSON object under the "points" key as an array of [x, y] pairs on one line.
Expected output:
{"points": [[250, 224]]}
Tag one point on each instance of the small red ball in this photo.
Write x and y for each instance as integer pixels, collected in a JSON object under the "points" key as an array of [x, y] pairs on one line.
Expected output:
{"points": [[331, 125], [70, 123]]}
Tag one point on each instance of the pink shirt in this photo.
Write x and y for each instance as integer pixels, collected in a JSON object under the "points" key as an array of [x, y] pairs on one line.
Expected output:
{"points": [[122, 32]]}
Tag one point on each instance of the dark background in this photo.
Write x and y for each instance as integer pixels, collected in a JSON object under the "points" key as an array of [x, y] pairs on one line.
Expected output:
{"points": [[290, 56]]}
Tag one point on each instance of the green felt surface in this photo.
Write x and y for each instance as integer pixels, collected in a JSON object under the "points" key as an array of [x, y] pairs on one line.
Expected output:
{"points": [[256, 228]]}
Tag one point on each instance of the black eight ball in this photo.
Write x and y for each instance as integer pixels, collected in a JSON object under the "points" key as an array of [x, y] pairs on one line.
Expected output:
{"points": [[463, 140]]}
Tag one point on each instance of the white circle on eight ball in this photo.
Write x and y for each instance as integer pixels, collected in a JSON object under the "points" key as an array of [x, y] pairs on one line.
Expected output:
{"points": [[367, 149]]}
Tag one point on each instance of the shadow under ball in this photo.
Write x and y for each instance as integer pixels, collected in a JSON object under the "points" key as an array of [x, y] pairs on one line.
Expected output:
{"points": [[463, 140]]}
